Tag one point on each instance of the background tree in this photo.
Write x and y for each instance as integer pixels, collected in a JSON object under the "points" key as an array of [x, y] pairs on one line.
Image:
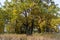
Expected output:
{"points": [[23, 16]]}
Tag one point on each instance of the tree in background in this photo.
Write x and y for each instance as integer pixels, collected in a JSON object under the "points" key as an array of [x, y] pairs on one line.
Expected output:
{"points": [[23, 16]]}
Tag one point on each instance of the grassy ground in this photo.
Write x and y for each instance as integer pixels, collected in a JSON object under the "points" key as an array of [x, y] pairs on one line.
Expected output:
{"points": [[30, 37]]}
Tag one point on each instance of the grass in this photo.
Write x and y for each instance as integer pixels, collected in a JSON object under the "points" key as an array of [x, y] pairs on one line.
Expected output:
{"points": [[45, 36]]}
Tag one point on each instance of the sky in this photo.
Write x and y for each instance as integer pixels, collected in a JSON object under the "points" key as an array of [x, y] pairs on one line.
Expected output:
{"points": [[56, 2], [2, 2]]}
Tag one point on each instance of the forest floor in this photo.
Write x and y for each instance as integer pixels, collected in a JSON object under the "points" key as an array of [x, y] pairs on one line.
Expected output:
{"points": [[30, 37]]}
